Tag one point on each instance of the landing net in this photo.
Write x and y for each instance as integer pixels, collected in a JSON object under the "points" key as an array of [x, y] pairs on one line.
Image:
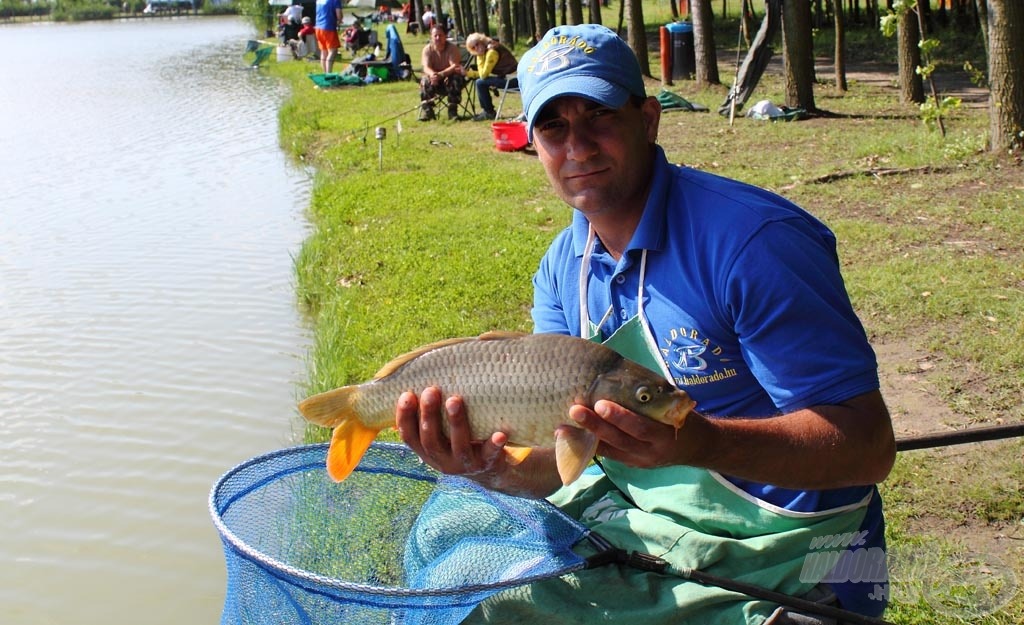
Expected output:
{"points": [[394, 543]]}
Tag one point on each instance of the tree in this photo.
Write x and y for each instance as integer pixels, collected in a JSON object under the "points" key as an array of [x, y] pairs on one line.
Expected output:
{"points": [[798, 54], [540, 19], [505, 34], [575, 8], [747, 21], [704, 43], [482, 26], [908, 57], [840, 49], [636, 36], [1006, 74]]}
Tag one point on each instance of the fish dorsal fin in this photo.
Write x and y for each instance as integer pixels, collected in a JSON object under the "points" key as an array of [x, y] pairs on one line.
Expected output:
{"points": [[395, 364], [501, 335]]}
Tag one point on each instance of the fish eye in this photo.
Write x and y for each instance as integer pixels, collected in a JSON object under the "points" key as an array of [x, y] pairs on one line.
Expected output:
{"points": [[643, 394]]}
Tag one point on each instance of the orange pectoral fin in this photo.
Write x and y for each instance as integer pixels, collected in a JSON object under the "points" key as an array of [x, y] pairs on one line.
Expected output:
{"points": [[349, 442], [574, 447], [517, 454]]}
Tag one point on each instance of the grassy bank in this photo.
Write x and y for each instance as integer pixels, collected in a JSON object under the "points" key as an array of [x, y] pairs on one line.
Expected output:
{"points": [[440, 236]]}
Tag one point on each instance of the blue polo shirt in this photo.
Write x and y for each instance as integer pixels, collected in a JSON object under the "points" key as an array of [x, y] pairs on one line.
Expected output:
{"points": [[744, 297], [326, 16]]}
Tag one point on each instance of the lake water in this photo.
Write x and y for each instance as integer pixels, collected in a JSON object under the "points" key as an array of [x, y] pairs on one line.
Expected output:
{"points": [[149, 336]]}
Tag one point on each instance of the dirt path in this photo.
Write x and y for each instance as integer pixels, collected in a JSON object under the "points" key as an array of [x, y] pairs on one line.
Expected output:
{"points": [[957, 84]]}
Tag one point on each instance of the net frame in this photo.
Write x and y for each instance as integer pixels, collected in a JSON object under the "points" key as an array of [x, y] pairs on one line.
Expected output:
{"points": [[300, 588]]}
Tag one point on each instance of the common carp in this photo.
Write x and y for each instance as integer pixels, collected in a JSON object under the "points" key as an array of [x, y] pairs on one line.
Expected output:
{"points": [[519, 384]]}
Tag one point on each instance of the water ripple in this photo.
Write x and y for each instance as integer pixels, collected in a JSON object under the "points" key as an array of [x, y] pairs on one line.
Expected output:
{"points": [[149, 334]]}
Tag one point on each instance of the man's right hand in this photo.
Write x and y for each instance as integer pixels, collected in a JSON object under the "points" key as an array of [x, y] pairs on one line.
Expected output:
{"points": [[419, 423]]}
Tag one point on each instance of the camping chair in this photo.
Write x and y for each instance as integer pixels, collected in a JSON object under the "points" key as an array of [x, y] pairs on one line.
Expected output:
{"points": [[309, 48], [358, 38], [401, 64], [467, 107], [511, 86]]}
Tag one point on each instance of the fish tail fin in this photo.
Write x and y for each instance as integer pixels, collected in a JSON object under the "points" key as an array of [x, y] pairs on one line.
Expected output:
{"points": [[574, 447], [351, 437], [330, 408], [349, 442]]}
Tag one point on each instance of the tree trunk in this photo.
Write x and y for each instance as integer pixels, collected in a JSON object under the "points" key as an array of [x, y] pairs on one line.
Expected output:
{"points": [[840, 53], [747, 21], [798, 54], [540, 18], [482, 23], [463, 19], [874, 19], [575, 12], [1006, 74], [981, 6], [909, 58], [595, 11], [505, 34], [636, 35], [704, 44]]}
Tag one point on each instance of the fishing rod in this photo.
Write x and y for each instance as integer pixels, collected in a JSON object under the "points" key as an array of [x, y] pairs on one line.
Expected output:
{"points": [[972, 435], [608, 553], [366, 129]]}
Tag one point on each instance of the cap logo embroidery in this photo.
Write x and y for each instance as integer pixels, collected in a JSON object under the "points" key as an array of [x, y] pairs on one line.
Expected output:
{"points": [[557, 57]]}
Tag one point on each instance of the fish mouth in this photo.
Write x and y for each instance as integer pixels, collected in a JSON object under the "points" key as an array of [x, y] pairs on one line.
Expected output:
{"points": [[676, 415]]}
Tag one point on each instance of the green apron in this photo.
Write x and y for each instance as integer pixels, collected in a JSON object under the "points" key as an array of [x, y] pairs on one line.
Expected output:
{"points": [[690, 517]]}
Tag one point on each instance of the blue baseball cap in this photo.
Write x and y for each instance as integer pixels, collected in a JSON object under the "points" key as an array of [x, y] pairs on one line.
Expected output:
{"points": [[585, 60]]}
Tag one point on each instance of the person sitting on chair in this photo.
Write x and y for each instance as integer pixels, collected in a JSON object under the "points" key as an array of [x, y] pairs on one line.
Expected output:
{"points": [[442, 74], [355, 37], [493, 62], [307, 38]]}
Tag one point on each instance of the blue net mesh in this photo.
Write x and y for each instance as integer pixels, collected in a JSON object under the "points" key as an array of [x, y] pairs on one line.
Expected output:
{"points": [[393, 543]]}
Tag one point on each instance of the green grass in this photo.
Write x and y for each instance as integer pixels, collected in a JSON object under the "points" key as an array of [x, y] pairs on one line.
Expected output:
{"points": [[441, 237]]}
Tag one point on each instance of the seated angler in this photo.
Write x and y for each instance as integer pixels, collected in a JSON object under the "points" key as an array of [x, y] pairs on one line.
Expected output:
{"points": [[442, 75], [494, 62]]}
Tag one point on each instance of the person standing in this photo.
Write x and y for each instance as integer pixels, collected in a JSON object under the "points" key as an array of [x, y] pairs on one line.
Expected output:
{"points": [[493, 63], [328, 19], [428, 18], [442, 74], [735, 295], [293, 14]]}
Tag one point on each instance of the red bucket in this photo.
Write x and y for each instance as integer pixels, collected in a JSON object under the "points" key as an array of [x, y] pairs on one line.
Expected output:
{"points": [[510, 136]]}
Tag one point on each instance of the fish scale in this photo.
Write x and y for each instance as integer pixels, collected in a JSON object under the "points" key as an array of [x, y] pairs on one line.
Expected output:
{"points": [[520, 387]]}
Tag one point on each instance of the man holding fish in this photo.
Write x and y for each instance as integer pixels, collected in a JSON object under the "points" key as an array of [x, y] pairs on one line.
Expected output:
{"points": [[733, 295]]}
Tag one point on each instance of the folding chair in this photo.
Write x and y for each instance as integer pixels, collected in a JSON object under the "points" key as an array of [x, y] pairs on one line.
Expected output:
{"points": [[468, 103], [467, 106], [511, 86], [308, 47]]}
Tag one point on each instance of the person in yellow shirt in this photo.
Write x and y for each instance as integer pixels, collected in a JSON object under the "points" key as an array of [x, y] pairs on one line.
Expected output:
{"points": [[494, 63]]}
